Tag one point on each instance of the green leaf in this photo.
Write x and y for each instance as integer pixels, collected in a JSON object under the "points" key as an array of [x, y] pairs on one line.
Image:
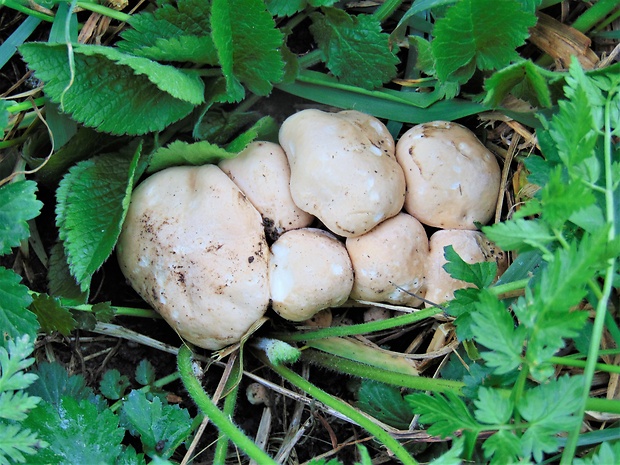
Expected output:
{"points": [[155, 423], [77, 433], [113, 385], [385, 403], [182, 153], [112, 91], [480, 274], [353, 45], [248, 46], [468, 37], [524, 80], [493, 407], [145, 373], [16, 442], [129, 456], [444, 413], [53, 382], [502, 447], [92, 202], [60, 281], [170, 33], [14, 405], [607, 453], [520, 234], [52, 315], [18, 204], [461, 307], [14, 359], [285, 7], [259, 131], [15, 318], [4, 113]]}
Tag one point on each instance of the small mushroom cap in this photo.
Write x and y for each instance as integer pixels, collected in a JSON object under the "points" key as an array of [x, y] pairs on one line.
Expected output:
{"points": [[194, 248], [440, 286], [343, 169], [452, 179], [261, 171], [309, 270], [392, 254]]}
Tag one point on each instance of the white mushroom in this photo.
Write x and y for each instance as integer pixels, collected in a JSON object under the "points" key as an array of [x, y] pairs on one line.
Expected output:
{"points": [[452, 179], [194, 248], [388, 262], [309, 270], [440, 286], [261, 171], [343, 169]]}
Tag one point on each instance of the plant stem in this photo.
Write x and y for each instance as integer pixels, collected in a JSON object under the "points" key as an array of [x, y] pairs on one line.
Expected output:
{"points": [[105, 11], [387, 8], [27, 11], [219, 419], [596, 13], [382, 436], [509, 287], [221, 448], [582, 364], [27, 105]]}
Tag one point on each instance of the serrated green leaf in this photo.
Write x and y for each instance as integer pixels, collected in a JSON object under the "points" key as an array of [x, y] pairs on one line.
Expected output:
{"points": [[16, 443], [60, 281], [493, 407], [261, 130], [154, 423], [520, 234], [444, 413], [15, 318], [77, 433], [18, 204], [353, 45], [92, 200], [52, 315], [183, 153], [112, 91], [53, 382], [248, 46], [113, 385], [468, 37], [453, 456], [461, 307], [129, 456], [145, 373], [14, 405], [502, 447], [103, 311], [172, 33], [523, 80], [480, 274], [607, 453], [385, 403], [285, 7]]}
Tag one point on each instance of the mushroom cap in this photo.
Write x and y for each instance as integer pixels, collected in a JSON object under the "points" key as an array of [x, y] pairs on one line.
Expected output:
{"points": [[309, 270], [193, 246], [392, 254], [343, 169], [440, 286], [452, 179], [261, 171]]}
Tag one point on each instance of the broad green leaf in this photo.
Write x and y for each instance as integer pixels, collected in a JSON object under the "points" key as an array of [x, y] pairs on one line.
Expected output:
{"points": [[145, 373], [129, 456], [419, 6], [385, 403], [170, 33], [77, 433], [353, 45], [493, 407], [52, 315], [443, 414], [468, 37], [53, 383], [261, 130], [248, 46], [285, 7], [18, 204], [523, 80], [15, 318], [183, 153], [92, 200], [480, 274], [60, 281], [113, 385], [112, 91], [154, 423]]}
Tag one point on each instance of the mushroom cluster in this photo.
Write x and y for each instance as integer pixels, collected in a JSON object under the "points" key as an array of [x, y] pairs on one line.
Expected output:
{"points": [[335, 211]]}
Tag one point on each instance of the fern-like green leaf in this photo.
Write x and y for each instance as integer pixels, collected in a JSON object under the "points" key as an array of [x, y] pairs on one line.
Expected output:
{"points": [[92, 202], [112, 91], [16, 443], [15, 318], [18, 204]]}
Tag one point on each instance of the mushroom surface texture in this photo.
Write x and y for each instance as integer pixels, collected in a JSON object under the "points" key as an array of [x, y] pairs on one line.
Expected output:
{"points": [[261, 171], [309, 270], [440, 286], [194, 247], [452, 179], [392, 254], [343, 169]]}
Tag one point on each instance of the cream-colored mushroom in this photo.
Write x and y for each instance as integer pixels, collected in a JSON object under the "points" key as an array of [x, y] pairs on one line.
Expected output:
{"points": [[309, 270], [261, 171], [440, 286], [452, 179], [388, 262], [194, 248], [343, 169]]}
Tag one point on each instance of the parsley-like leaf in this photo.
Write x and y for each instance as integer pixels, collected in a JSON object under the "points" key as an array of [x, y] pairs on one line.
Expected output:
{"points": [[468, 36], [502, 447], [493, 407], [520, 234], [480, 274], [15, 318], [18, 204], [445, 413], [353, 45], [607, 453]]}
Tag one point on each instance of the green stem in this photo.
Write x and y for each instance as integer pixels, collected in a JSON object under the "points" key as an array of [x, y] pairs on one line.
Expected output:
{"points": [[387, 8], [217, 417], [118, 311], [582, 364], [509, 287], [333, 402], [310, 59], [26, 105], [5, 144], [221, 448], [596, 13], [27, 11], [157, 384], [105, 11]]}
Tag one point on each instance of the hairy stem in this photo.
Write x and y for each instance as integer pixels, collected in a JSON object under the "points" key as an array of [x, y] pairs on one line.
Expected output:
{"points": [[221, 448]]}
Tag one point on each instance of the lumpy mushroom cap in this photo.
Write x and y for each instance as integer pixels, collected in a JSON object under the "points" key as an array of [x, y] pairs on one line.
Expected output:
{"points": [[388, 262], [309, 270], [440, 286], [194, 248], [343, 169], [261, 171], [452, 179]]}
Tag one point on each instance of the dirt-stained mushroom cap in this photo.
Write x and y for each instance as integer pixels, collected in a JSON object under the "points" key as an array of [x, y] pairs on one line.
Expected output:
{"points": [[194, 248], [452, 179], [309, 270]]}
